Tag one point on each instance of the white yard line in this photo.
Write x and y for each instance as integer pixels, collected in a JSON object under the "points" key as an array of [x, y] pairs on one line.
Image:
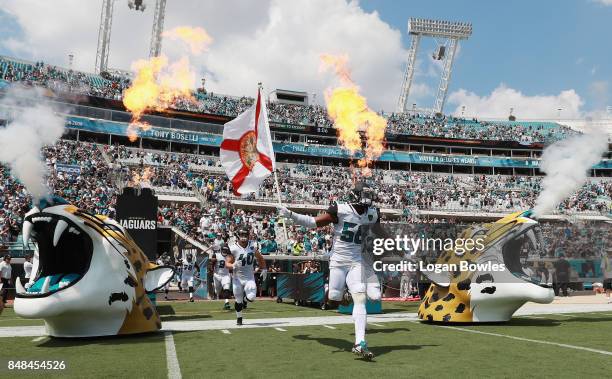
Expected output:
{"points": [[38, 339], [531, 310], [604, 352], [375, 324], [174, 370], [329, 327], [225, 331], [281, 329]]}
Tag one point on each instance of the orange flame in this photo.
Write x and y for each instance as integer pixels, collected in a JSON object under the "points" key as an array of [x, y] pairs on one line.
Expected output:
{"points": [[196, 38], [350, 113], [141, 179], [158, 83], [156, 86]]}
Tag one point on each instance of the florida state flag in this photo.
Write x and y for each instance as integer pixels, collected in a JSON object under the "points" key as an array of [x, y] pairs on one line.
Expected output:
{"points": [[246, 150]]}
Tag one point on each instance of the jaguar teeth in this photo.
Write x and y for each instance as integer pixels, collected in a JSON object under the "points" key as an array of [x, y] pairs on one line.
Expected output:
{"points": [[41, 219], [59, 230], [19, 287], [27, 231], [45, 286]]}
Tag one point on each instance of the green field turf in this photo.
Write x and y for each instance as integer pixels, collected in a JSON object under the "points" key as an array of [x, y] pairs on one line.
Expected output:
{"points": [[403, 349]]}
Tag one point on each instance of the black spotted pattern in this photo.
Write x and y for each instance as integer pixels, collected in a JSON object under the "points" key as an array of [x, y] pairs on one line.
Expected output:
{"points": [[449, 297], [147, 312], [130, 281], [460, 308], [439, 307], [117, 296], [489, 290], [464, 285]]}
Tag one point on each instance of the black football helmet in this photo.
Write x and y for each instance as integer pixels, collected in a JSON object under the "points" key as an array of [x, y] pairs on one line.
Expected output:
{"points": [[362, 194]]}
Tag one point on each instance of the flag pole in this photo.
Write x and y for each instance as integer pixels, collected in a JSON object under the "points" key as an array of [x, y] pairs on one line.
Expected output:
{"points": [[280, 202], [277, 186]]}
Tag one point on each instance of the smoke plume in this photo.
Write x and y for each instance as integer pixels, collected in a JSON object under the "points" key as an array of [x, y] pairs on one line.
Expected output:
{"points": [[566, 164], [32, 124]]}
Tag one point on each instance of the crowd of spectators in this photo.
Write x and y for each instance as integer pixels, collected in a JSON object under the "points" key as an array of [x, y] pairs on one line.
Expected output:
{"points": [[70, 81], [321, 185]]}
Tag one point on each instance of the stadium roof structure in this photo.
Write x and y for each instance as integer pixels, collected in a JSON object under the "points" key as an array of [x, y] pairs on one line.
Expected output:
{"points": [[451, 32]]}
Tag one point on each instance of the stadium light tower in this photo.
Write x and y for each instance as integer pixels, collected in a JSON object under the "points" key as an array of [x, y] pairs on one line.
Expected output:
{"points": [[451, 33], [106, 22]]}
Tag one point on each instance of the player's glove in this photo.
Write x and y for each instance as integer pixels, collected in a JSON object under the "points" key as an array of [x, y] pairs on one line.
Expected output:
{"points": [[283, 211]]}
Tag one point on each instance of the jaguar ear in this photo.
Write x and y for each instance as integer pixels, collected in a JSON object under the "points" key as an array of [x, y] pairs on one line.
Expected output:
{"points": [[157, 277]]}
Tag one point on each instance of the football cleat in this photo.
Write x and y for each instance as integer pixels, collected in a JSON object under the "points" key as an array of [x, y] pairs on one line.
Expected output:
{"points": [[362, 350], [239, 321], [226, 307], [191, 299]]}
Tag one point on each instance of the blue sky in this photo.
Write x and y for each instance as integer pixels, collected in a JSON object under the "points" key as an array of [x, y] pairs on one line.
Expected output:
{"points": [[537, 47], [534, 56]]}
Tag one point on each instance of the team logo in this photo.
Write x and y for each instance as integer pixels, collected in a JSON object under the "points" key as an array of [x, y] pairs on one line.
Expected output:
{"points": [[248, 149]]}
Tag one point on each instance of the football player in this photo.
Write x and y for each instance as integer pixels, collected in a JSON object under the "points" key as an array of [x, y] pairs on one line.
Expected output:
{"points": [[347, 265], [241, 260], [189, 268], [221, 275]]}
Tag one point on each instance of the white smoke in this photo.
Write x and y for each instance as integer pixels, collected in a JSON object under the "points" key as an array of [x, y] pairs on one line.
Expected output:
{"points": [[567, 164], [32, 124]]}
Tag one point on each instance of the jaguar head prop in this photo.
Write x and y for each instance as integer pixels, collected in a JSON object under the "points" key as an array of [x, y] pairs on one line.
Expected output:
{"points": [[89, 278], [499, 279]]}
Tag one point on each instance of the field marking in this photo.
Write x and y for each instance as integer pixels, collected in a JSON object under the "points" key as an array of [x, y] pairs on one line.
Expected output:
{"points": [[281, 329], [38, 339], [225, 331], [329, 327], [604, 352], [174, 370], [375, 324]]}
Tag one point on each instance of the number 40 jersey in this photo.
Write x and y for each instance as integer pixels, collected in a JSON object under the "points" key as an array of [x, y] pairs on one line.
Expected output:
{"points": [[346, 249], [244, 260]]}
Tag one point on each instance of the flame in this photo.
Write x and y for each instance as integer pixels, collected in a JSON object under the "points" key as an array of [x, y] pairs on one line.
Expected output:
{"points": [[159, 83], [140, 179], [196, 38], [156, 86], [350, 113]]}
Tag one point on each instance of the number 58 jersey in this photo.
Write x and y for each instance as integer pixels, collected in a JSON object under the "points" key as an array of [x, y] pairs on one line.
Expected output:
{"points": [[348, 232], [244, 260]]}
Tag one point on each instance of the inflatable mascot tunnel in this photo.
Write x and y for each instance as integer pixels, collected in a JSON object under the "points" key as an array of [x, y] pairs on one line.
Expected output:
{"points": [[490, 295], [89, 278]]}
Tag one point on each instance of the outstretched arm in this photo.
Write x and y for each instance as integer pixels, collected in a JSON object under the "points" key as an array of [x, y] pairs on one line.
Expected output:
{"points": [[326, 218]]}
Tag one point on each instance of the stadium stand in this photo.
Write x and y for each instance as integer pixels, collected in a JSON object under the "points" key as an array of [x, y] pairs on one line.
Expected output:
{"points": [[91, 175], [63, 80]]}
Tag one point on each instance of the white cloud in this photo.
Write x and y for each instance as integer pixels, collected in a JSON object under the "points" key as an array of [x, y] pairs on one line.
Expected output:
{"points": [[499, 102], [604, 2], [276, 42]]}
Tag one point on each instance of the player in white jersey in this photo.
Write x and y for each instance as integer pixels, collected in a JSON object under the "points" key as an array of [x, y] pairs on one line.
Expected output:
{"points": [[243, 255], [189, 268], [221, 275], [347, 265]]}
